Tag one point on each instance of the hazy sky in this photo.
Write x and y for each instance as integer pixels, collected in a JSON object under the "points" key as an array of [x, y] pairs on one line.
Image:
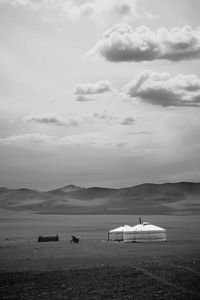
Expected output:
{"points": [[99, 92]]}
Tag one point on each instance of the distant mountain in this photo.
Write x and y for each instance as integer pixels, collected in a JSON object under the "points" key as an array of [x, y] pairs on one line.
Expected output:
{"points": [[67, 189], [148, 198]]}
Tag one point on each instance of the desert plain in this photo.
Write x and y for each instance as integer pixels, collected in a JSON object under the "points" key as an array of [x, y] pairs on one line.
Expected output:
{"points": [[96, 268]]}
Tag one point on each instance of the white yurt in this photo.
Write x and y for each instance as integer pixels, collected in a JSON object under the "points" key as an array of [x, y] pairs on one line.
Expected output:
{"points": [[117, 233], [144, 232]]}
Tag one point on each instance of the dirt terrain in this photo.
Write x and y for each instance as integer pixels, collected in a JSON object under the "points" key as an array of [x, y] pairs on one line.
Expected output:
{"points": [[96, 268], [138, 281]]}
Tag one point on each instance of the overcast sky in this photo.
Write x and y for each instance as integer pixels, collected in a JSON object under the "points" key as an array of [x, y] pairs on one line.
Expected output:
{"points": [[99, 92]]}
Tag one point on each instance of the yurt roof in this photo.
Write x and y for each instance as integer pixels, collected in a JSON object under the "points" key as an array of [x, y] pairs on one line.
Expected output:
{"points": [[145, 226], [121, 228]]}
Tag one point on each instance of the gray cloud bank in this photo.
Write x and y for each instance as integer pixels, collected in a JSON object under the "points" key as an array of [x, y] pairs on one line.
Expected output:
{"points": [[164, 90], [50, 119], [121, 43]]}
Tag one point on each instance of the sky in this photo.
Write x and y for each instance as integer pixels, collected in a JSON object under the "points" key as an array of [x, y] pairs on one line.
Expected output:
{"points": [[99, 92]]}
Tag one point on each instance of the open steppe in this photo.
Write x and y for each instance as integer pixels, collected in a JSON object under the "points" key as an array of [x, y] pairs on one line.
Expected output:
{"points": [[96, 268]]}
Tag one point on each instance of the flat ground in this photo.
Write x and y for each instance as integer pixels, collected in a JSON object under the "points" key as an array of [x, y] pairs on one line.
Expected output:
{"points": [[95, 268]]}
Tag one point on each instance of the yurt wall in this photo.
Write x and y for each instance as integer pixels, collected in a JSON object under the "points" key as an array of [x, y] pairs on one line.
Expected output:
{"points": [[144, 233]]}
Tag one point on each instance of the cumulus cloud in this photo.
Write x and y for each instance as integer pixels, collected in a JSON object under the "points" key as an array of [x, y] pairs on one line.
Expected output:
{"points": [[50, 119], [128, 121], [165, 90], [121, 43], [93, 88]]}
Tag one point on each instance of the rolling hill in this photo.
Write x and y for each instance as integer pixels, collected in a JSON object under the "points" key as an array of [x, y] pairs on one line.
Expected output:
{"points": [[148, 198]]}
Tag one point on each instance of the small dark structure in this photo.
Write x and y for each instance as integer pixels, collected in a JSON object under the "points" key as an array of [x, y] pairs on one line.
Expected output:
{"points": [[53, 238], [74, 239]]}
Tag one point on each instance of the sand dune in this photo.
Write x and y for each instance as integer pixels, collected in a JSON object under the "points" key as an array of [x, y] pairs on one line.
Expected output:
{"points": [[168, 198]]}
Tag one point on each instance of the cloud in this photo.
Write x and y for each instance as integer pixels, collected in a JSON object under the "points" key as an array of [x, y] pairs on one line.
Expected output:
{"points": [[91, 139], [35, 138], [164, 90], [140, 132], [100, 116], [119, 119], [101, 11], [92, 88], [128, 121], [122, 44], [82, 98], [50, 119], [32, 3], [104, 116]]}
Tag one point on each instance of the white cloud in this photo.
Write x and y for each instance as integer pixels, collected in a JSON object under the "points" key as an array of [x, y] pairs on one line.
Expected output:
{"points": [[31, 138], [121, 43], [93, 88], [50, 119], [165, 90]]}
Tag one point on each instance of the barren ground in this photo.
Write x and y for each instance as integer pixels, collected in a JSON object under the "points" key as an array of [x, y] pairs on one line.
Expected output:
{"points": [[95, 268]]}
